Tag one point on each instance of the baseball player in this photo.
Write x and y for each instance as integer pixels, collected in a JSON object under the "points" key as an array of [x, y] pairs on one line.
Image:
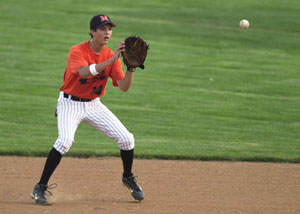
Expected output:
{"points": [[89, 65]]}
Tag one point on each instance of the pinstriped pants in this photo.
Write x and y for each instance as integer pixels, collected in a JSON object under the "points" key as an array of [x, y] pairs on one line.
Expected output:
{"points": [[71, 113]]}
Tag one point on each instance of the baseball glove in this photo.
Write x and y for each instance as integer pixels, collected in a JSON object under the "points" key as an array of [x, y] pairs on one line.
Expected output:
{"points": [[135, 52]]}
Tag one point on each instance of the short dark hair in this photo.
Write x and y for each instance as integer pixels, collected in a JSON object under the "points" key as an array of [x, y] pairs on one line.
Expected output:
{"points": [[92, 34]]}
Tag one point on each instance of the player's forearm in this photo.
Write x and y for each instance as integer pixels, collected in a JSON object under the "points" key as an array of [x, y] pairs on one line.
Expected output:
{"points": [[125, 83], [84, 71]]}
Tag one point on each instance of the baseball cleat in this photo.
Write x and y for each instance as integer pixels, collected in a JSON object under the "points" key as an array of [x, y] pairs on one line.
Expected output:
{"points": [[136, 191], [39, 192]]}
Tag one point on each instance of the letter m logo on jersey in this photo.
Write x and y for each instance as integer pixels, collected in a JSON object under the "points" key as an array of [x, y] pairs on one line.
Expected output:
{"points": [[104, 18]]}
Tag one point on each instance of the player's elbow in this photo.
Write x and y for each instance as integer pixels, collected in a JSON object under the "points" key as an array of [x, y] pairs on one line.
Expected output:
{"points": [[82, 75], [83, 72], [124, 89], [123, 85]]}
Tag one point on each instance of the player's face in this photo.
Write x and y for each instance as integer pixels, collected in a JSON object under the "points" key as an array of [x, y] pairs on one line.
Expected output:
{"points": [[102, 35]]}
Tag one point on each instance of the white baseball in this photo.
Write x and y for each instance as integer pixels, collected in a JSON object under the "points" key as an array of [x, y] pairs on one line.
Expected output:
{"points": [[244, 24]]}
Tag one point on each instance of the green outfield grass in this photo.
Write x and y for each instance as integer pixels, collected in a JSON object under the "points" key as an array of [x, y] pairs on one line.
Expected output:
{"points": [[210, 91]]}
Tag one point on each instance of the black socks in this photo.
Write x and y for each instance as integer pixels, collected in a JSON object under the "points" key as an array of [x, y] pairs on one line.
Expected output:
{"points": [[54, 158], [127, 158], [52, 162]]}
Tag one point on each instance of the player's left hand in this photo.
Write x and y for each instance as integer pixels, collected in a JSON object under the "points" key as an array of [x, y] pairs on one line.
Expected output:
{"points": [[135, 53]]}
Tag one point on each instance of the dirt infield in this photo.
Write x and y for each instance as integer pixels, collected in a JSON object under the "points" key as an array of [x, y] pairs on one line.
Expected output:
{"points": [[94, 186]]}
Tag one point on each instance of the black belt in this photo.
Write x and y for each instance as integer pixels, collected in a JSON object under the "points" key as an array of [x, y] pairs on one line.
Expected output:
{"points": [[76, 98]]}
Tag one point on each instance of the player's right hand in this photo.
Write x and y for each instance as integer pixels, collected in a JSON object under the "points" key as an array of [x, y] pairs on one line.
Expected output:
{"points": [[120, 48]]}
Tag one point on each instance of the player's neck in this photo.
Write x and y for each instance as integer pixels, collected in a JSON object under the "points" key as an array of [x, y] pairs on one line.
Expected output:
{"points": [[95, 46]]}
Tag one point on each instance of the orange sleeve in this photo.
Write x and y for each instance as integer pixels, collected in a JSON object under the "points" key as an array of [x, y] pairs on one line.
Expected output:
{"points": [[76, 60], [116, 72]]}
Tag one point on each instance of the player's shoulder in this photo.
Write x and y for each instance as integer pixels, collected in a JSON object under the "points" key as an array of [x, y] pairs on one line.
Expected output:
{"points": [[107, 51], [80, 47]]}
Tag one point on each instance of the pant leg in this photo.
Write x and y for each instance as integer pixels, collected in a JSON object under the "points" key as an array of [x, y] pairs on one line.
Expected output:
{"points": [[100, 117], [69, 115]]}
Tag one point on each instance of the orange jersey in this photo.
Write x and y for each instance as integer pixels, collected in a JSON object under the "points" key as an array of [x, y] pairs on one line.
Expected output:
{"points": [[92, 86]]}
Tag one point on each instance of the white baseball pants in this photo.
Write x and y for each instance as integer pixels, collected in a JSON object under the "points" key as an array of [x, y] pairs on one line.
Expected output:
{"points": [[71, 113]]}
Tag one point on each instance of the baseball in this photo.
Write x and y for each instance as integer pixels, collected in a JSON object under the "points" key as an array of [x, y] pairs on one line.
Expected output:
{"points": [[244, 24]]}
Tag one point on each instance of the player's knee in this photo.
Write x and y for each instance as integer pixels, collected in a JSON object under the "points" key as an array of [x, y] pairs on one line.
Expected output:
{"points": [[63, 145], [126, 142]]}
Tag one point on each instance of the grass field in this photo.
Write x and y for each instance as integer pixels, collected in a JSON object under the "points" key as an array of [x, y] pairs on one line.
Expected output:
{"points": [[210, 91]]}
